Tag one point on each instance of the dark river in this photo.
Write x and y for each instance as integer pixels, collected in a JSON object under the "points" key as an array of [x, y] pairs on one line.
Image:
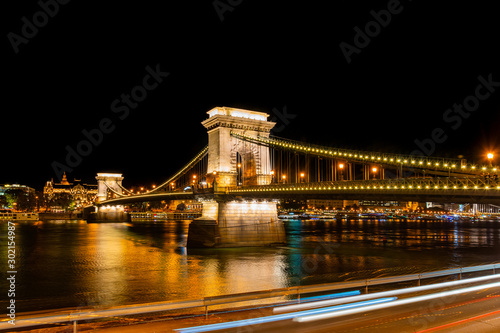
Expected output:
{"points": [[64, 264]]}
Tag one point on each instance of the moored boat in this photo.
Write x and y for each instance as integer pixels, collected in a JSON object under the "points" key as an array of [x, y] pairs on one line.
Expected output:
{"points": [[8, 215]]}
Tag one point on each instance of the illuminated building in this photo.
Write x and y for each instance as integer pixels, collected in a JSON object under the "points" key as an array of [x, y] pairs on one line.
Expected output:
{"points": [[330, 204], [81, 194], [28, 191], [7, 187]]}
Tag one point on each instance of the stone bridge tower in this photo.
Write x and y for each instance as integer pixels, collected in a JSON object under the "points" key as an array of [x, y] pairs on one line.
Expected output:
{"points": [[113, 180], [234, 161]]}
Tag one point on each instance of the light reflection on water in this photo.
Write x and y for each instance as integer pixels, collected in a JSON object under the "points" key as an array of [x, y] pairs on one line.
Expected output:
{"points": [[75, 264]]}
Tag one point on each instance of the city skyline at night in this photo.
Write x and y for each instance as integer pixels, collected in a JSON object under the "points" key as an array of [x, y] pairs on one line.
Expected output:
{"points": [[250, 165]]}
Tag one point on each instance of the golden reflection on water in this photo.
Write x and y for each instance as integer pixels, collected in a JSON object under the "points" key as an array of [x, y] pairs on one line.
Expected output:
{"points": [[120, 261]]}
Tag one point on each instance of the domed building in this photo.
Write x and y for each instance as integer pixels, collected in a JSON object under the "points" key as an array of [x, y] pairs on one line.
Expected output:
{"points": [[81, 194]]}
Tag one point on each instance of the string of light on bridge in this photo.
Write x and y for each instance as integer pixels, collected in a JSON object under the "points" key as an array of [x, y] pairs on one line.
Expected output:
{"points": [[384, 158], [460, 184], [284, 188]]}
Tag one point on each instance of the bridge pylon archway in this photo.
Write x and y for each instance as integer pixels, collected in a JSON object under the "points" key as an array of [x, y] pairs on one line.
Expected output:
{"points": [[105, 181], [230, 160]]}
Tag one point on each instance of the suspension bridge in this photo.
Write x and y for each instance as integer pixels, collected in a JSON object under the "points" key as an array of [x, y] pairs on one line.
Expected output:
{"points": [[243, 170]]}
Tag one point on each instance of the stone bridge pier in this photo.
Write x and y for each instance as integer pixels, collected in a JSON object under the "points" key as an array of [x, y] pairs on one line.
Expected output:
{"points": [[235, 224]]}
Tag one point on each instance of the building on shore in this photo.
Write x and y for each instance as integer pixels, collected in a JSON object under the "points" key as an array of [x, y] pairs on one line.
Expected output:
{"points": [[330, 204], [465, 208], [364, 204], [82, 194], [25, 199], [6, 187], [187, 205]]}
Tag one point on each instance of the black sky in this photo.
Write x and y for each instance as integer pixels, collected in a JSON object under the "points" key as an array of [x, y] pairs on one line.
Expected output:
{"points": [[261, 56]]}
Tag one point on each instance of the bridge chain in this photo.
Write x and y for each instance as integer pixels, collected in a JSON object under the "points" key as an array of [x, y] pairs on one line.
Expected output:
{"points": [[430, 164]]}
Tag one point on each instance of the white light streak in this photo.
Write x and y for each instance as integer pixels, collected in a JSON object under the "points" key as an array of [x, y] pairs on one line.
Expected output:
{"points": [[312, 305], [314, 317]]}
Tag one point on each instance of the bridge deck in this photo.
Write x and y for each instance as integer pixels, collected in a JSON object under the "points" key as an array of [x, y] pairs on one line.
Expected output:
{"points": [[457, 190]]}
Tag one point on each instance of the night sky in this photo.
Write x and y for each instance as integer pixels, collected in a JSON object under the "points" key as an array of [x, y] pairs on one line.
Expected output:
{"points": [[308, 60]]}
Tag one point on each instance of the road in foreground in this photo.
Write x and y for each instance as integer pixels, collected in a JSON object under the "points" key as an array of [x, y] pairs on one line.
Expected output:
{"points": [[472, 312], [477, 311]]}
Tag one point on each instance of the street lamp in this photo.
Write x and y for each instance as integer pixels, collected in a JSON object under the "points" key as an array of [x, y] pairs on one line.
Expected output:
{"points": [[272, 176], [284, 178], [341, 167], [490, 158], [239, 175], [494, 177], [302, 177], [374, 169]]}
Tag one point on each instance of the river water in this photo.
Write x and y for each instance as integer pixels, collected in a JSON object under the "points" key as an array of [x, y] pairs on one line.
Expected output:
{"points": [[72, 263]]}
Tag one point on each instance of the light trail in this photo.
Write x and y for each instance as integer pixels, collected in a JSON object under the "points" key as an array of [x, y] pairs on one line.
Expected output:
{"points": [[268, 319], [329, 315], [319, 304], [328, 296]]}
